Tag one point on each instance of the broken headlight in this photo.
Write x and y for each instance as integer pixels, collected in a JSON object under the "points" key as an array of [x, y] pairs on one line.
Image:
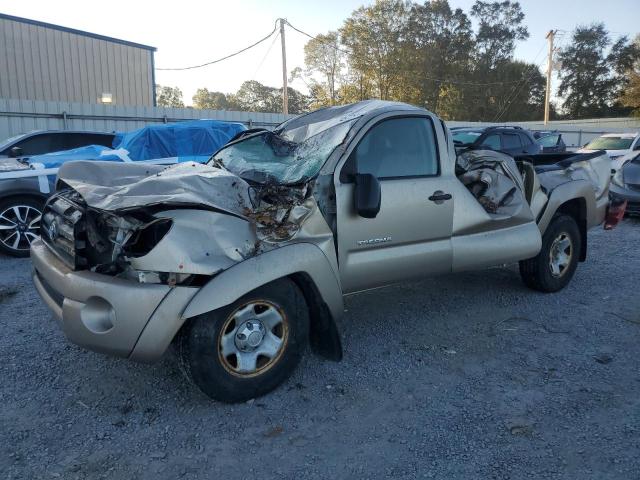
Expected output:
{"points": [[147, 237]]}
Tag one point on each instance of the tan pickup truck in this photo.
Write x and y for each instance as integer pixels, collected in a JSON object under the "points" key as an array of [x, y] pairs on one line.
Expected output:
{"points": [[243, 262]]}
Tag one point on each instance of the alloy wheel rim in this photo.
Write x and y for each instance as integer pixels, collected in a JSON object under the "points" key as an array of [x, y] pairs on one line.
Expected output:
{"points": [[560, 255], [19, 225], [253, 338]]}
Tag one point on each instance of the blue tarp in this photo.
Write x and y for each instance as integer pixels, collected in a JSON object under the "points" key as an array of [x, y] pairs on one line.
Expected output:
{"points": [[194, 140]]}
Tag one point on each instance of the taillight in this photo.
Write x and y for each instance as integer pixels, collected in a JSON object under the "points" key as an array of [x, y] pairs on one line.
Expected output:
{"points": [[615, 212]]}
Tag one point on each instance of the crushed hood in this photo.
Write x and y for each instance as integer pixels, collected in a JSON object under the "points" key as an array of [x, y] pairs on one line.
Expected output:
{"points": [[116, 186]]}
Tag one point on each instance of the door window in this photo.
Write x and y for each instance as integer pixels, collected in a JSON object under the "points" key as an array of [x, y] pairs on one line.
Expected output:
{"points": [[511, 141], [39, 144], [526, 141], [492, 142], [398, 147], [76, 140]]}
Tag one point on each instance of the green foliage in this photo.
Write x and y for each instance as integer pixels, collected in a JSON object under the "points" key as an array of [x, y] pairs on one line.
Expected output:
{"points": [[376, 37], [204, 99], [256, 97], [169, 97], [323, 55], [429, 55], [595, 74]]}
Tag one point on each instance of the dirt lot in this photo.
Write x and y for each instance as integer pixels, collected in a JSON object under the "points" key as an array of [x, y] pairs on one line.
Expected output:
{"points": [[467, 376]]}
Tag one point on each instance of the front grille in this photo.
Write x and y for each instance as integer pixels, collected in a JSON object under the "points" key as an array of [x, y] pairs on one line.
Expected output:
{"points": [[63, 229]]}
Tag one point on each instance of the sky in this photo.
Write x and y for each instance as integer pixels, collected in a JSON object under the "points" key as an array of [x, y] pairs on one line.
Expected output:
{"points": [[192, 32]]}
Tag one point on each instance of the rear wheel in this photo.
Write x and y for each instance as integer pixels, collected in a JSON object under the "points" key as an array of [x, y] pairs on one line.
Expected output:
{"points": [[552, 269], [248, 348], [19, 224]]}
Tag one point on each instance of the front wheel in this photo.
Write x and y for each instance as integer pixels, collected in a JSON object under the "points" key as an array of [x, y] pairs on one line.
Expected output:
{"points": [[248, 348], [552, 269], [19, 224]]}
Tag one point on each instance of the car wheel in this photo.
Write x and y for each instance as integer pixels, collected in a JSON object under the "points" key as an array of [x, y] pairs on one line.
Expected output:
{"points": [[19, 224], [552, 269], [248, 348]]}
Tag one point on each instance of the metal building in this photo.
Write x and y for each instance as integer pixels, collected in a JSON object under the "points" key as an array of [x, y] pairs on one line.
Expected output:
{"points": [[41, 61]]}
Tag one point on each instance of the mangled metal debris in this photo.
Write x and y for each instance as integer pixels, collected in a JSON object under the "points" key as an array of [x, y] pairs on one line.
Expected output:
{"points": [[493, 179]]}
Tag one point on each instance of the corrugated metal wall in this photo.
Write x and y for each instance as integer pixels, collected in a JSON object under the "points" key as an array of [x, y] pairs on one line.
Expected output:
{"points": [[21, 116], [49, 64]]}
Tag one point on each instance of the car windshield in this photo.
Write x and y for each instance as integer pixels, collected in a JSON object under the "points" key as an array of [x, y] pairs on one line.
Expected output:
{"points": [[465, 136], [287, 157], [610, 143], [5, 143]]}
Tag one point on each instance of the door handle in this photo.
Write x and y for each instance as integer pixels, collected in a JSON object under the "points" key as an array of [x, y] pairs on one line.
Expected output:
{"points": [[439, 196]]}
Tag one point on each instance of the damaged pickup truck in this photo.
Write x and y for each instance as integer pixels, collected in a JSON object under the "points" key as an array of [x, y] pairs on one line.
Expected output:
{"points": [[244, 261]]}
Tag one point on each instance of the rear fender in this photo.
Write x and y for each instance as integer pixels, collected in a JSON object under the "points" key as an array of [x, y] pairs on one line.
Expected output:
{"points": [[577, 199]]}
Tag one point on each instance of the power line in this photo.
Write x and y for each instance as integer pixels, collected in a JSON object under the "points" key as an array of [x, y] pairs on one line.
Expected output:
{"points": [[275, 38], [516, 90], [225, 57], [319, 40]]}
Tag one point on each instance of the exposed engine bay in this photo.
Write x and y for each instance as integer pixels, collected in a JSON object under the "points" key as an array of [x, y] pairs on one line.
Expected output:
{"points": [[110, 223]]}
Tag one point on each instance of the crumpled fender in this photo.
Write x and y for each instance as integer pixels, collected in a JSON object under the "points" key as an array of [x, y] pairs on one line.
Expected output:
{"points": [[571, 190], [254, 272]]}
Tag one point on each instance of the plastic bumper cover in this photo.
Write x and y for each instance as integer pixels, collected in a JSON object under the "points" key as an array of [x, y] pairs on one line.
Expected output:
{"points": [[107, 314]]}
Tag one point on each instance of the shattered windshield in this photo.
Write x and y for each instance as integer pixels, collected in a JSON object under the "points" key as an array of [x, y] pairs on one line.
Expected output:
{"points": [[287, 157]]}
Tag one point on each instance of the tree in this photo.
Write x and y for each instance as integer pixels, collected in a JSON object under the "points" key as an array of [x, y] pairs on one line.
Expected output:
{"points": [[625, 58], [323, 55], [499, 28], [256, 97], [443, 42], [169, 97], [631, 94], [586, 83], [376, 36], [204, 99]]}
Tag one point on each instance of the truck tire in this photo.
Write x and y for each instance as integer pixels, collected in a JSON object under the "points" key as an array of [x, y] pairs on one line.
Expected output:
{"points": [[19, 224], [248, 348], [552, 269]]}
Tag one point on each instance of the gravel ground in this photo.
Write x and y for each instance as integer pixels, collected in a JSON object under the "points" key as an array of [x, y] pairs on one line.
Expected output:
{"points": [[467, 376]]}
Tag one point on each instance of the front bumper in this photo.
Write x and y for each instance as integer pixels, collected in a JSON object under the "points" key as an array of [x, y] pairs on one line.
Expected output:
{"points": [[107, 314], [631, 196]]}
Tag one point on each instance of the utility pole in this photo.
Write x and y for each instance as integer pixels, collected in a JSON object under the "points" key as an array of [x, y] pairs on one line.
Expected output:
{"points": [[285, 92], [547, 97]]}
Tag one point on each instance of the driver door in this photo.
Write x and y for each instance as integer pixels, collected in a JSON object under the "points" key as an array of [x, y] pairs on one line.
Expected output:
{"points": [[410, 237]]}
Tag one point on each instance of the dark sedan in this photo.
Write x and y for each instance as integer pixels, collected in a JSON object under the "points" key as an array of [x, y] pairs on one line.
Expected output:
{"points": [[625, 184]]}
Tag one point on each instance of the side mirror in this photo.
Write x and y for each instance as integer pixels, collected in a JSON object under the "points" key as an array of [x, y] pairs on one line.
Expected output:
{"points": [[368, 195], [15, 152], [637, 147]]}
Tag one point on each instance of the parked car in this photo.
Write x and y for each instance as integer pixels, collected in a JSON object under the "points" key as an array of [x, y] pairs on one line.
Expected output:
{"points": [[616, 145], [511, 140], [243, 261], [47, 141], [550, 141], [26, 183], [625, 184]]}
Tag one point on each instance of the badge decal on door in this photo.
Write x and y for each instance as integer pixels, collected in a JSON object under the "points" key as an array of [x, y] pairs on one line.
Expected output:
{"points": [[373, 241]]}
